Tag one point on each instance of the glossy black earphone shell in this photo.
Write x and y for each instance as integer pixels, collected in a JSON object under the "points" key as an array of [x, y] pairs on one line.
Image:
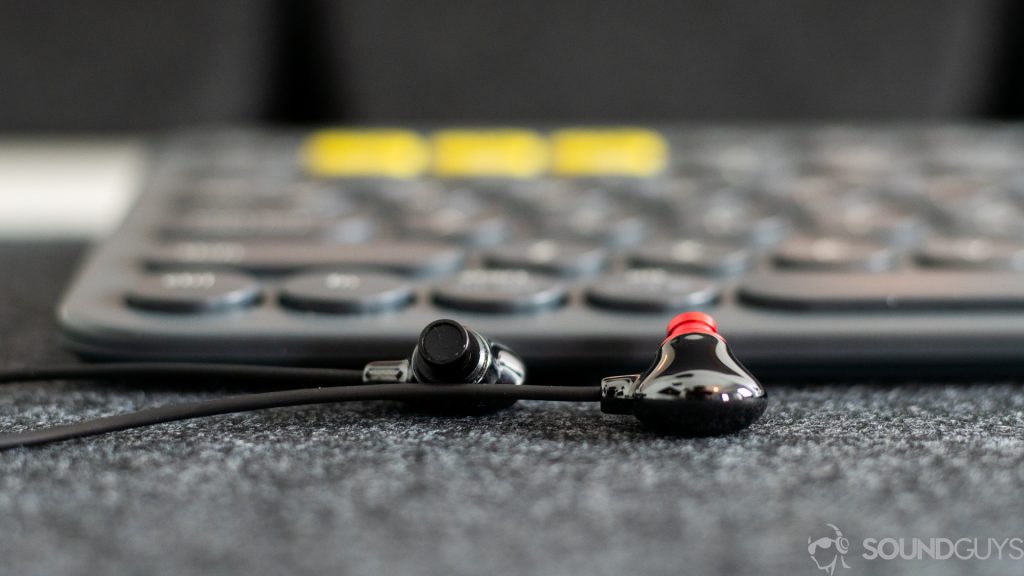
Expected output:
{"points": [[694, 387], [448, 351]]}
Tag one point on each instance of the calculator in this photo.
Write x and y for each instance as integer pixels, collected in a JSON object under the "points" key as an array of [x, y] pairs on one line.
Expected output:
{"points": [[887, 249]]}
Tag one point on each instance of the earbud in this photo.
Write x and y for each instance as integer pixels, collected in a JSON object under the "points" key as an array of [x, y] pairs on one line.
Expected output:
{"points": [[694, 387], [448, 352]]}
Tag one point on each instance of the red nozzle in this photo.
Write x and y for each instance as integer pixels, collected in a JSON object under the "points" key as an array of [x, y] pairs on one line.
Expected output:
{"points": [[690, 322]]}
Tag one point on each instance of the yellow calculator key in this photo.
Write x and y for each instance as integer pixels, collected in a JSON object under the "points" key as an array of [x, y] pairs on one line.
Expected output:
{"points": [[634, 152], [504, 153], [382, 153]]}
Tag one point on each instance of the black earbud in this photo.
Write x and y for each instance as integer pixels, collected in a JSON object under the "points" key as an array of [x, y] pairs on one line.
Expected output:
{"points": [[448, 352], [694, 387]]}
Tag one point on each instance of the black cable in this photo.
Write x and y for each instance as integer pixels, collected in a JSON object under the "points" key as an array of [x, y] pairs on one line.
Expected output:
{"points": [[261, 401], [222, 372]]}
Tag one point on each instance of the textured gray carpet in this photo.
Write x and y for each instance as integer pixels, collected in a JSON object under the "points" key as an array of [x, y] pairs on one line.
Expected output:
{"points": [[539, 489]]}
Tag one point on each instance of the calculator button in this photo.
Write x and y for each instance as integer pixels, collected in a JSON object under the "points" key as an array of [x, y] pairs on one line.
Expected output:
{"points": [[453, 225], [631, 152], [500, 291], [341, 292], [457, 216], [993, 215], [549, 257], [694, 256], [269, 226], [311, 199], [503, 153], [223, 194], [193, 292], [737, 156], [971, 252], [938, 291], [833, 254], [613, 226], [385, 153], [414, 259], [590, 216], [735, 217], [863, 216], [975, 206], [850, 154], [323, 199], [972, 152], [653, 290]]}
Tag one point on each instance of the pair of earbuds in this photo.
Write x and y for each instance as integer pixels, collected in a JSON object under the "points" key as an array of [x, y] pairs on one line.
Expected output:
{"points": [[694, 386]]}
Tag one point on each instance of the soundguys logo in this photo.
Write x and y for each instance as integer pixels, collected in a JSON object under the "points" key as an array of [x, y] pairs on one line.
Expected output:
{"points": [[829, 551]]}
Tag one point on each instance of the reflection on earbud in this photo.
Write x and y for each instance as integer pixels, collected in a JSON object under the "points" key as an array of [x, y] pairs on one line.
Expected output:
{"points": [[694, 387]]}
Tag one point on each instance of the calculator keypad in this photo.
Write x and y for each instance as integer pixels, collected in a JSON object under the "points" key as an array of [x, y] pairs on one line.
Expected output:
{"points": [[532, 231]]}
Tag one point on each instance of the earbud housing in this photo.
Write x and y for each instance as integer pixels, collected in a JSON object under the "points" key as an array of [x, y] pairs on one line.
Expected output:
{"points": [[694, 387], [448, 352]]}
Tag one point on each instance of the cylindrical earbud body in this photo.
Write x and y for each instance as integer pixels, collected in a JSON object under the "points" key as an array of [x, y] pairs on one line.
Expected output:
{"points": [[694, 387], [448, 352]]}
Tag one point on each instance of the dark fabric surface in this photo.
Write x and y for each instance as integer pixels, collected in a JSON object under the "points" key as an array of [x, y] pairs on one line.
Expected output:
{"points": [[121, 64], [540, 489]]}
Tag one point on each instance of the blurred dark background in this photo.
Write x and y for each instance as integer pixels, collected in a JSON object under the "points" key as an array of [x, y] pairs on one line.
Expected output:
{"points": [[129, 65]]}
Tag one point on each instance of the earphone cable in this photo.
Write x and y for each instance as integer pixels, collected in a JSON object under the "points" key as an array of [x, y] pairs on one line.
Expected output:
{"points": [[223, 373], [297, 397]]}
